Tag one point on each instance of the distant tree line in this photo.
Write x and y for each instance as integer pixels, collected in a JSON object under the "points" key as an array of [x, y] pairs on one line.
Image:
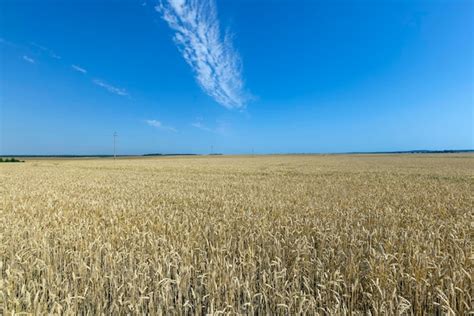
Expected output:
{"points": [[10, 160]]}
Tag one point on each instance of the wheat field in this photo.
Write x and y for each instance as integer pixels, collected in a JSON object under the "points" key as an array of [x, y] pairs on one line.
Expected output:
{"points": [[279, 235]]}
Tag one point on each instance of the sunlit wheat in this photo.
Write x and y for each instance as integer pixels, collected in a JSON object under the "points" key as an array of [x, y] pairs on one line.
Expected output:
{"points": [[239, 235]]}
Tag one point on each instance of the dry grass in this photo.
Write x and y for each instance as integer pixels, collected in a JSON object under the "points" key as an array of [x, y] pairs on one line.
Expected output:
{"points": [[238, 235]]}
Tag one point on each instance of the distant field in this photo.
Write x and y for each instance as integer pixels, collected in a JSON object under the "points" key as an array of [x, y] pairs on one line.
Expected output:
{"points": [[385, 234]]}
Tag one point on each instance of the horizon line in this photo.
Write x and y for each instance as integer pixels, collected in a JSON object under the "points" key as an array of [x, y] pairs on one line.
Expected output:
{"points": [[415, 151]]}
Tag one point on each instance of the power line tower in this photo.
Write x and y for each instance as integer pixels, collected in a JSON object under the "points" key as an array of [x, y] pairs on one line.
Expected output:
{"points": [[115, 136]]}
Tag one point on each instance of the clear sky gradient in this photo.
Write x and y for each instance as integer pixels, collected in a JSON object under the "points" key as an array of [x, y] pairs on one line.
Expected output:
{"points": [[272, 76]]}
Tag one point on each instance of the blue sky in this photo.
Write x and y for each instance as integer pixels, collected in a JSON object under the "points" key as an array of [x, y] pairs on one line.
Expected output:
{"points": [[272, 76]]}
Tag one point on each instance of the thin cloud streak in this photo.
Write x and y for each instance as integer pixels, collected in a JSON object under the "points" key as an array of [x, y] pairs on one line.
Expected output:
{"points": [[110, 88], [217, 66], [28, 59], [8, 43], [99, 82], [222, 128], [79, 69], [158, 124], [201, 126], [47, 50]]}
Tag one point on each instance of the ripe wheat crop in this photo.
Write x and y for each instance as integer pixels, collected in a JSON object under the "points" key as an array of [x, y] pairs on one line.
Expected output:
{"points": [[278, 235]]}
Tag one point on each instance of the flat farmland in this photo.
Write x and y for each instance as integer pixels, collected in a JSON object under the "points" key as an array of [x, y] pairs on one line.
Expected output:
{"points": [[302, 234]]}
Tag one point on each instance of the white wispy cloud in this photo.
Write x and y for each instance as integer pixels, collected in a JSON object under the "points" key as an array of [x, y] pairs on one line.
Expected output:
{"points": [[215, 62], [8, 43], [99, 82], [158, 124], [46, 50], [110, 88], [202, 126], [79, 69], [221, 128], [28, 59]]}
